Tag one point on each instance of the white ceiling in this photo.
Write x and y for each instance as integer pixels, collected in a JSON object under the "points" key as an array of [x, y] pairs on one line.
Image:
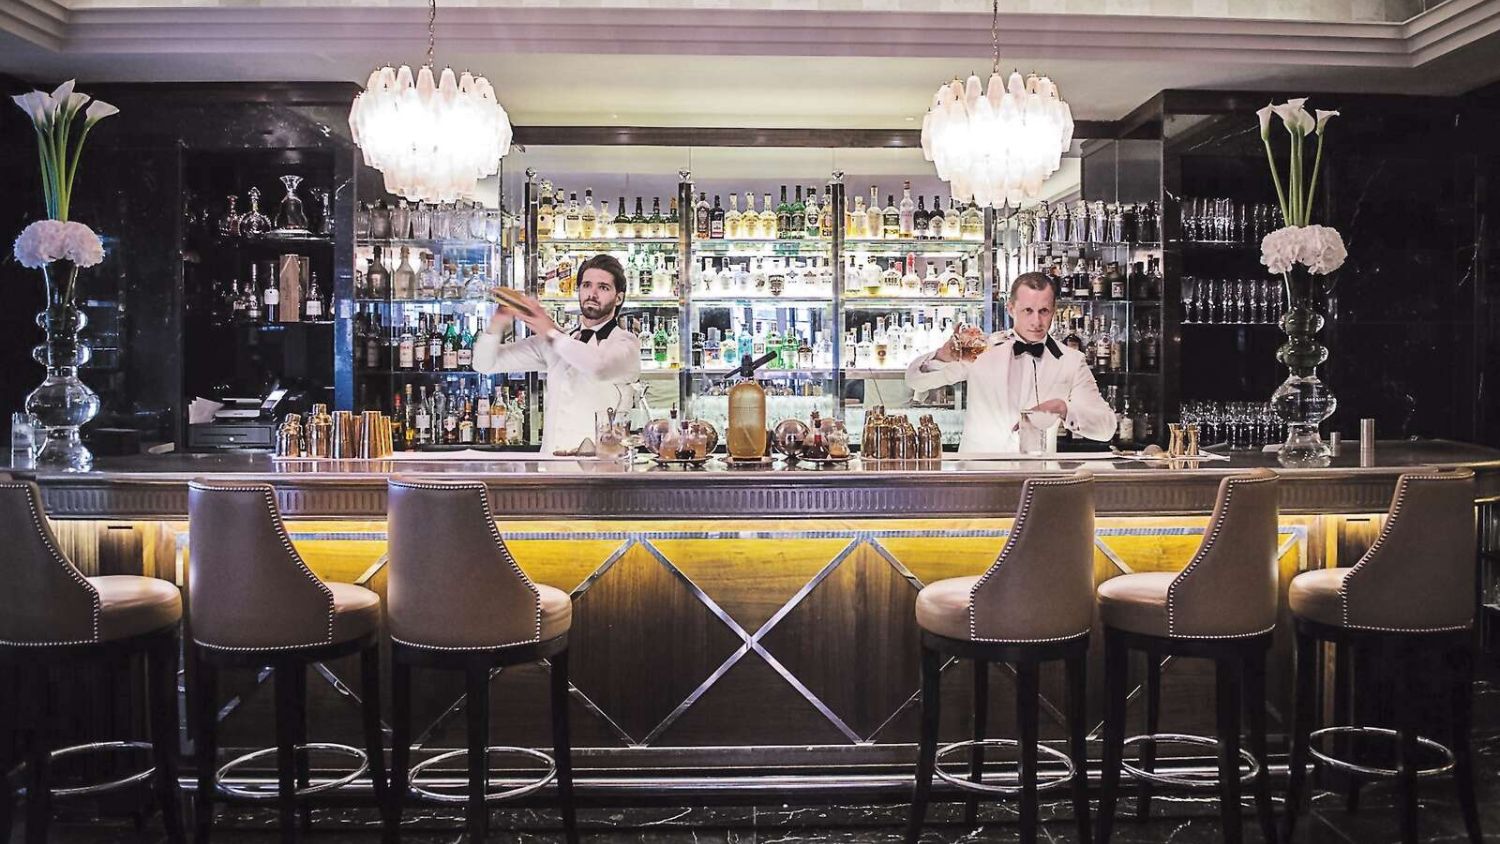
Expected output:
{"points": [[873, 70]]}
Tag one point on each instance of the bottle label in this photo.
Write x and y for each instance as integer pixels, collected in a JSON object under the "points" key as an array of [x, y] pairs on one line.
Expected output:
{"points": [[314, 308], [465, 358], [273, 296], [406, 356], [450, 359]]}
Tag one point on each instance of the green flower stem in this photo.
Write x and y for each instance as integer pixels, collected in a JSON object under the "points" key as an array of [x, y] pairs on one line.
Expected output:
{"points": [[1275, 176], [1312, 183], [48, 191], [77, 156], [59, 141], [1296, 177]]}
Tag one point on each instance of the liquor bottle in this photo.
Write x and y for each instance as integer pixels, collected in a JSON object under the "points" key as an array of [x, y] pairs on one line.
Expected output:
{"points": [[952, 222], [434, 346], [1102, 344], [749, 221], [374, 341], [787, 350], [659, 343], [605, 228], [906, 213], [250, 307], [768, 217], [732, 228], [783, 216], [812, 215], [647, 347], [850, 350], [797, 216], [499, 410], [236, 301], [405, 358], [1125, 433], [408, 420], [935, 221], [890, 278], [971, 223], [1116, 280], [622, 224], [973, 284], [640, 224], [701, 217], [377, 278], [545, 213], [825, 215], [270, 297], [919, 219], [404, 282], [482, 419], [672, 222], [421, 427], [572, 218], [514, 416], [890, 219], [716, 220], [1154, 279], [587, 217], [450, 347], [855, 222], [931, 285], [1150, 347], [466, 347], [313, 308], [450, 420], [674, 348], [911, 283], [655, 225], [1097, 287], [874, 216], [1116, 348], [870, 277]]}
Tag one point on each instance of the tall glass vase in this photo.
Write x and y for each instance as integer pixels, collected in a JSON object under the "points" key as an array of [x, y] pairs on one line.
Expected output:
{"points": [[1303, 401], [62, 403]]}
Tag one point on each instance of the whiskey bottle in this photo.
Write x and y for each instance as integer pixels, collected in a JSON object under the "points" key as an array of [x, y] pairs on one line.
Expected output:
{"points": [[971, 223], [812, 215], [874, 216], [890, 219], [314, 306], [404, 282], [587, 218], [545, 212], [423, 419], [749, 221], [768, 217], [919, 220], [655, 225], [732, 227], [935, 221], [671, 225], [573, 217], [716, 220], [482, 419], [702, 216], [640, 225], [783, 216]]}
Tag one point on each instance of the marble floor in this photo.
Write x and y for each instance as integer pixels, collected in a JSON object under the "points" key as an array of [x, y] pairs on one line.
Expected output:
{"points": [[1176, 819]]}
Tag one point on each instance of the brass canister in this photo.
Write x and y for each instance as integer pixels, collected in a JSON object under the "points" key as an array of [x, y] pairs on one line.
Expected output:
{"points": [[345, 435], [370, 435], [319, 432], [904, 439], [929, 439], [1174, 447], [289, 437], [1190, 439], [870, 436]]}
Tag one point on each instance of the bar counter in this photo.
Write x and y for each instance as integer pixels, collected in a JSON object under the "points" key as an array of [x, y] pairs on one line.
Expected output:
{"points": [[737, 629]]}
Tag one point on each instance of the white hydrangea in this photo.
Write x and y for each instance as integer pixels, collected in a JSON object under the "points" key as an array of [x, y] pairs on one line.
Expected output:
{"points": [[45, 241], [1319, 248]]}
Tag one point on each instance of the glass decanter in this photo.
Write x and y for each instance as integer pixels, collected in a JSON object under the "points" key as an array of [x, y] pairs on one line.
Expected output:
{"points": [[400, 220], [229, 224], [254, 223], [324, 198], [291, 218]]}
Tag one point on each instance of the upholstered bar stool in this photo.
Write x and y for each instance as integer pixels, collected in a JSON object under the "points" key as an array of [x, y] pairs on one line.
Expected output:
{"points": [[1409, 600], [1221, 607], [1035, 604], [253, 603], [459, 602], [56, 617]]}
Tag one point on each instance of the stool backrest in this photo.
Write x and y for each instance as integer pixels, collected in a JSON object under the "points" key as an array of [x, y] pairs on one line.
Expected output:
{"points": [[1041, 587], [1228, 590], [1419, 574], [248, 588], [452, 582], [51, 602]]}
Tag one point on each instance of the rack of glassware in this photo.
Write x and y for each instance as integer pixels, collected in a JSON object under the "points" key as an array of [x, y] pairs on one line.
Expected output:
{"points": [[422, 281]]}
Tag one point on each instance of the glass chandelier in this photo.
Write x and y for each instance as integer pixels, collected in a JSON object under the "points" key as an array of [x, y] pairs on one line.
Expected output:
{"points": [[433, 137], [999, 145]]}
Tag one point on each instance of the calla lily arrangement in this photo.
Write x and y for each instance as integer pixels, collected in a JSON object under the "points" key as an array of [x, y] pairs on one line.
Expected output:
{"points": [[60, 140], [1319, 248]]}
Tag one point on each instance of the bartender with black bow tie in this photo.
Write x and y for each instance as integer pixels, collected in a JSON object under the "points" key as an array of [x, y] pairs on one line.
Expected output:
{"points": [[1029, 372], [590, 369]]}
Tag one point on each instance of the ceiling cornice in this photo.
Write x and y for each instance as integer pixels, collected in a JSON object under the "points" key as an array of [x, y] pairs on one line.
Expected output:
{"points": [[42, 22]]}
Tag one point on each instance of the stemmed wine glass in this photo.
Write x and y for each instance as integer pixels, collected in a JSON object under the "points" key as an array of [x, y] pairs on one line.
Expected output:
{"points": [[1189, 288]]}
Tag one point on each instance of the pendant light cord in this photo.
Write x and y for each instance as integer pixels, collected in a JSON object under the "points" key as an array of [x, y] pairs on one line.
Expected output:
{"points": [[432, 32]]}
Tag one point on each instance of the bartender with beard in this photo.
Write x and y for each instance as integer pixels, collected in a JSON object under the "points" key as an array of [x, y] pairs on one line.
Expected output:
{"points": [[589, 369], [1029, 372]]}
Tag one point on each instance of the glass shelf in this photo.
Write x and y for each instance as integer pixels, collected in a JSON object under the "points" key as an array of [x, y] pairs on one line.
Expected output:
{"points": [[760, 374], [608, 244], [431, 244], [875, 371], [859, 302], [381, 300], [955, 248], [441, 373], [270, 239], [819, 246], [810, 299], [631, 302]]}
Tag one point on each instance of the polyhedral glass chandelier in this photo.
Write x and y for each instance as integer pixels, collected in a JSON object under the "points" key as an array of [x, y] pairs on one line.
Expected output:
{"points": [[432, 136], [999, 145]]}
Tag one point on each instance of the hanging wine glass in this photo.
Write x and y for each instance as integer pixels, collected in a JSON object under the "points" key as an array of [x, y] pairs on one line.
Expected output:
{"points": [[254, 223], [290, 217]]}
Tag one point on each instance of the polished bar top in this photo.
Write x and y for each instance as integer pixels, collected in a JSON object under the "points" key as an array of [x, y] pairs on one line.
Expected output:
{"points": [[522, 486]]}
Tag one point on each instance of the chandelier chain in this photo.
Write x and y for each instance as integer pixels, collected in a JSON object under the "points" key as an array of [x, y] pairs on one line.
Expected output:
{"points": [[432, 32], [994, 33]]}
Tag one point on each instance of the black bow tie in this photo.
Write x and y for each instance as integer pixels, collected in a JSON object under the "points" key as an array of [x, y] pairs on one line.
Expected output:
{"points": [[1033, 349], [603, 331], [586, 334]]}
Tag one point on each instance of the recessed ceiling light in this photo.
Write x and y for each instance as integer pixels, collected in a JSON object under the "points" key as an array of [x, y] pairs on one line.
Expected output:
{"points": [[910, 119]]}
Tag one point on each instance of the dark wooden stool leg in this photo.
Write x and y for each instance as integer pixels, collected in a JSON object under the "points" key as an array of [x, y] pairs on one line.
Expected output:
{"points": [[1302, 724], [205, 702], [9, 734], [477, 704], [1407, 762], [562, 745], [927, 745], [1227, 704], [286, 740], [1027, 692], [369, 678], [400, 742], [1461, 672], [162, 661], [1349, 712], [39, 780], [302, 756], [1255, 707], [1153, 726], [1116, 667], [976, 752], [1077, 667]]}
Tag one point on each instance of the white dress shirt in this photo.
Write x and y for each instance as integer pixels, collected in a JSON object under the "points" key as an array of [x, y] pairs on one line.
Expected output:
{"points": [[584, 378], [1002, 384]]}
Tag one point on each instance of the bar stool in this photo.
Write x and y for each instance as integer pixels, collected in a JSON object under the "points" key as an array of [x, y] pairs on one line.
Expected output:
{"points": [[1221, 607], [1410, 599], [57, 617], [459, 602], [1035, 604], [253, 602]]}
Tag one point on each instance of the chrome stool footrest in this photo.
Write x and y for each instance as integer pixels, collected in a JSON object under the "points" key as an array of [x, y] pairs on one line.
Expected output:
{"points": [[271, 792], [103, 787], [519, 791], [1185, 780], [985, 788], [1364, 770]]}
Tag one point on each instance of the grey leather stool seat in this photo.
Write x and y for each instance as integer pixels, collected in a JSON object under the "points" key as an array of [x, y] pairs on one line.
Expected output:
{"points": [[1406, 608], [253, 602], [1222, 607], [1035, 604], [459, 602], [57, 619]]}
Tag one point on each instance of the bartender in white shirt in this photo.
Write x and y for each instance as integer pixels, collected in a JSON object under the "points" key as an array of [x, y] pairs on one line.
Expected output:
{"points": [[589, 369], [1028, 372]]}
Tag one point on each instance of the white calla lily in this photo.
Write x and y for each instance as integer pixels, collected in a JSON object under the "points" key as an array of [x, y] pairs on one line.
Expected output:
{"points": [[1323, 118], [97, 111], [1265, 122]]}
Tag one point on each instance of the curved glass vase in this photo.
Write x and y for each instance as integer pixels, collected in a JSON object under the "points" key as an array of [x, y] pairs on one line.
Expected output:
{"points": [[1302, 401], [63, 403]]}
